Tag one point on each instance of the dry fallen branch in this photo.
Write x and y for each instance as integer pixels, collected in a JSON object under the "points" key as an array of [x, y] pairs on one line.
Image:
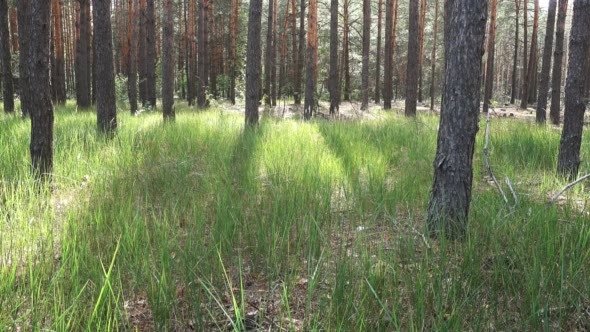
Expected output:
{"points": [[566, 188], [487, 161]]}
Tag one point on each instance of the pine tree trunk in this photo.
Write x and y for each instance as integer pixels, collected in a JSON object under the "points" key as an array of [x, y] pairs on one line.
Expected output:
{"points": [[168, 61], [273, 60], [378, 64], [525, 63], [41, 111], [413, 59], [346, 53], [310, 105], [301, 54], [203, 42], [555, 112], [489, 83], [7, 90], [150, 66], [388, 56], [533, 58], [142, 53], [573, 122], [132, 56], [366, 50], [253, 65], [334, 90], [82, 56], [106, 103], [433, 56], [546, 66], [233, 49], [453, 164], [59, 83], [268, 55], [421, 56], [514, 91]]}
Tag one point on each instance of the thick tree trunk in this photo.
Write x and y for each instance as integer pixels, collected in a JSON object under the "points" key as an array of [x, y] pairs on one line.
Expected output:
{"points": [[334, 84], [132, 56], [378, 64], [573, 122], [366, 50], [413, 59], [555, 112], [168, 61], [268, 55], [253, 65], [301, 54], [311, 74], [546, 66], [41, 110], [150, 67], [453, 166], [533, 60], [514, 91], [489, 83], [388, 60], [106, 102], [83, 56], [7, 90], [433, 56]]}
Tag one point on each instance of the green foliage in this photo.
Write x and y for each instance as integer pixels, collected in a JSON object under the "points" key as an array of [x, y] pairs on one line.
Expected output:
{"points": [[318, 224]]}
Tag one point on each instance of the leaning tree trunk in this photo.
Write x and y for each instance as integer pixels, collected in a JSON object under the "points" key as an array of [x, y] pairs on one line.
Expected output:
{"points": [[453, 166], [366, 50], [253, 65], [150, 68], [131, 57], [106, 102], [311, 74], [546, 66], [413, 59], [558, 63], [41, 110], [378, 64], [573, 122], [489, 84], [388, 60], [168, 61], [334, 90], [7, 90]]}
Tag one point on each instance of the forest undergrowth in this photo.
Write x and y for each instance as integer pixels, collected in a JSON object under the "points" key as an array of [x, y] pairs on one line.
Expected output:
{"points": [[204, 225]]}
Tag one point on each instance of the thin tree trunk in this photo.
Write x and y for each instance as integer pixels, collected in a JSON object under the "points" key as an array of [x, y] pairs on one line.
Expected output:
{"points": [[233, 49], [106, 103], [310, 105], [203, 66], [366, 50], [253, 65], [142, 53], [413, 61], [131, 57], [150, 66], [334, 90], [421, 56], [489, 83], [558, 63], [546, 67], [273, 62], [433, 56], [7, 90], [168, 61], [525, 62], [378, 64], [41, 111], [268, 54], [388, 60], [573, 122], [346, 52], [301, 54], [533, 58], [453, 166], [514, 91]]}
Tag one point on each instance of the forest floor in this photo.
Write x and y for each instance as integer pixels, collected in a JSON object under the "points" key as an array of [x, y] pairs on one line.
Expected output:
{"points": [[204, 225]]}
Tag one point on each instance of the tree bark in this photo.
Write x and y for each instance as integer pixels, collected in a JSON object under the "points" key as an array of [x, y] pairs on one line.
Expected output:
{"points": [[150, 69], [558, 63], [366, 50], [142, 53], [132, 56], [334, 77], [413, 59], [388, 56], [168, 61], [203, 66], [41, 111], [7, 90], [525, 62], [546, 66], [301, 54], [268, 55], [422, 27], [433, 56], [59, 83], [573, 122], [514, 91], [346, 52], [453, 166], [253, 65], [533, 59], [378, 64], [106, 102], [312, 61], [82, 56], [233, 49], [489, 84]]}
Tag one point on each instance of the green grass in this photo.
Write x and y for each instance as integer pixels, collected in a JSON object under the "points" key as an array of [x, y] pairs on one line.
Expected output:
{"points": [[293, 225]]}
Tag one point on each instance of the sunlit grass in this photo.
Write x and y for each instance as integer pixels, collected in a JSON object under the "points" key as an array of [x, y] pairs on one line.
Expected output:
{"points": [[204, 224]]}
